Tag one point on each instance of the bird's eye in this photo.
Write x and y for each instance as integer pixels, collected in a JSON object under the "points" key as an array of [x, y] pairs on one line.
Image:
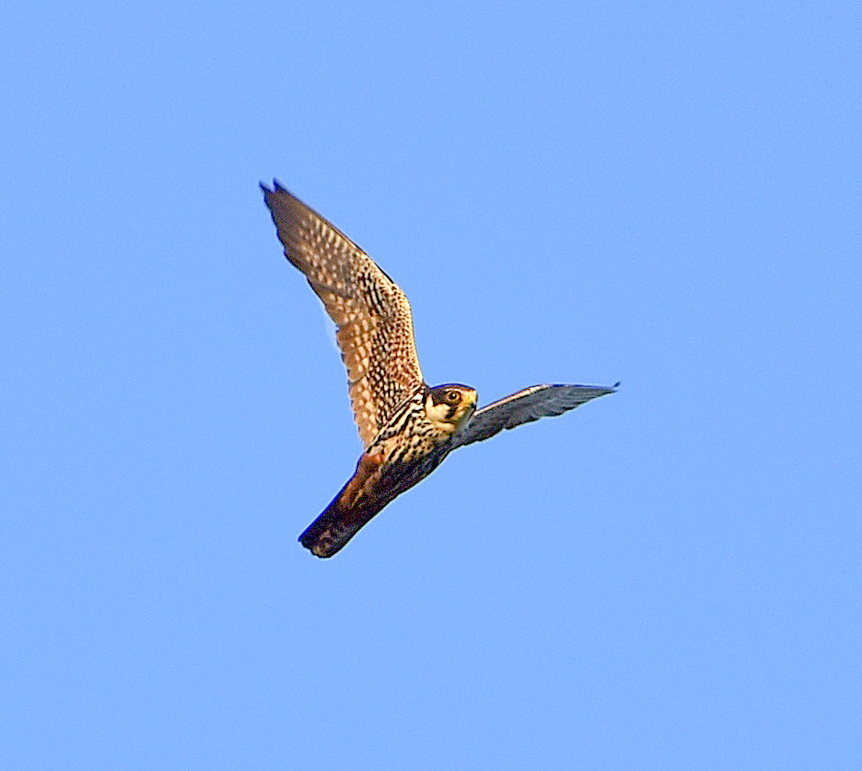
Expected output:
{"points": [[453, 396]]}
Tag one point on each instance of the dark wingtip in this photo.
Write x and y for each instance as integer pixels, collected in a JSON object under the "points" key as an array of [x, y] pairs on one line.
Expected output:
{"points": [[617, 384], [277, 187]]}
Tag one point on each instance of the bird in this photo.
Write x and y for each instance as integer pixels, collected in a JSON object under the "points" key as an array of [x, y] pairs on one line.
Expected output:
{"points": [[406, 426]]}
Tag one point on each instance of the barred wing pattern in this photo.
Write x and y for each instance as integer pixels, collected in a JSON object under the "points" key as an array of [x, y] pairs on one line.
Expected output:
{"points": [[375, 325], [539, 401]]}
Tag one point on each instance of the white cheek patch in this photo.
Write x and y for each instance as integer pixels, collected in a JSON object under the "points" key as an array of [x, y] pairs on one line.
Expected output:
{"points": [[436, 412], [438, 415]]}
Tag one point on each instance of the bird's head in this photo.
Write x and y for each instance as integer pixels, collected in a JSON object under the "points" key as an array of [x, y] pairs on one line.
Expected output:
{"points": [[450, 406]]}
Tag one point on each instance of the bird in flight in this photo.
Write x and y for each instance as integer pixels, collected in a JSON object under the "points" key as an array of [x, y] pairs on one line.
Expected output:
{"points": [[406, 426]]}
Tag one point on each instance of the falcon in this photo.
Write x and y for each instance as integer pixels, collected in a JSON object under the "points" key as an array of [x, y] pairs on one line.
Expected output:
{"points": [[406, 426]]}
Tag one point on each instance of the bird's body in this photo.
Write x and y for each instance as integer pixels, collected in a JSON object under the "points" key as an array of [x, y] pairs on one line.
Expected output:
{"points": [[407, 427], [406, 450]]}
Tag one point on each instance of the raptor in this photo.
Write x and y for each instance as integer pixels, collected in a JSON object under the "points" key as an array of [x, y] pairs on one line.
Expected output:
{"points": [[406, 426]]}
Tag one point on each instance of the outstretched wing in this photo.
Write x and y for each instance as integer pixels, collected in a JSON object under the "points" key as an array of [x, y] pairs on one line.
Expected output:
{"points": [[539, 401], [375, 326]]}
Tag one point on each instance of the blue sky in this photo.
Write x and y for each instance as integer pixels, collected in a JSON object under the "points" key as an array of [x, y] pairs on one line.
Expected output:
{"points": [[662, 194]]}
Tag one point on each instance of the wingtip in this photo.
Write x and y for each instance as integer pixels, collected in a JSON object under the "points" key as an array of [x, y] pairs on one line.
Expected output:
{"points": [[277, 187]]}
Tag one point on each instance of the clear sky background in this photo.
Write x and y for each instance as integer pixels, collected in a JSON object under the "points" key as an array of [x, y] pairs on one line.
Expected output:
{"points": [[665, 194]]}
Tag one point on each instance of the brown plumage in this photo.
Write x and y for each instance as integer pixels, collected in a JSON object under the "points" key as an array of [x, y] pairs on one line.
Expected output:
{"points": [[375, 326], [407, 427]]}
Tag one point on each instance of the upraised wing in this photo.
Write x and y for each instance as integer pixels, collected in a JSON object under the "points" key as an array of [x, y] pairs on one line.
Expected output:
{"points": [[375, 325], [539, 401]]}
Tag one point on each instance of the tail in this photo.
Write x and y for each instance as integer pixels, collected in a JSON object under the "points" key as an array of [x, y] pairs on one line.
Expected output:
{"points": [[349, 511], [335, 527]]}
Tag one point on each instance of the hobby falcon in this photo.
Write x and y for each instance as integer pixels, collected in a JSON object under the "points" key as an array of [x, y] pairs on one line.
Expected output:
{"points": [[406, 426]]}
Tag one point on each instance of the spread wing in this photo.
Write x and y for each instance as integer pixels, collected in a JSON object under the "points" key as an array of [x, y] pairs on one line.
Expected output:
{"points": [[375, 326], [539, 401]]}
